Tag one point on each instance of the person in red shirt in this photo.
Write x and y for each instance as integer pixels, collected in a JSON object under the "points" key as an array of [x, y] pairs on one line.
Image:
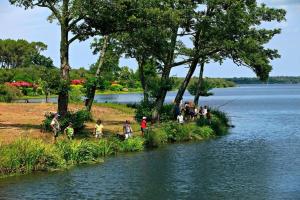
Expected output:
{"points": [[144, 125]]}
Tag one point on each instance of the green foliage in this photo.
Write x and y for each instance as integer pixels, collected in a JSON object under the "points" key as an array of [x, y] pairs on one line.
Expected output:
{"points": [[106, 147], [21, 53], [132, 144], [120, 107], [145, 109], [219, 122], [9, 93], [25, 155], [116, 87], [76, 93], [177, 132], [271, 80], [78, 120], [156, 137]]}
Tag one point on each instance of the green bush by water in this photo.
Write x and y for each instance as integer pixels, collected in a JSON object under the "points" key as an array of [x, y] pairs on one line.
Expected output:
{"points": [[28, 155], [78, 120]]}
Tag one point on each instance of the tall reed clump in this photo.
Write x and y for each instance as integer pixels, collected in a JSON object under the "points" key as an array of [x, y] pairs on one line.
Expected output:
{"points": [[25, 155], [28, 155], [174, 132], [132, 144]]}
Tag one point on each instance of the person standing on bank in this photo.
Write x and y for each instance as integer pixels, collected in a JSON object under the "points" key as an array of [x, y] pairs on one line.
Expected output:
{"points": [[180, 119], [99, 129], [69, 131], [127, 129], [144, 126], [55, 126]]}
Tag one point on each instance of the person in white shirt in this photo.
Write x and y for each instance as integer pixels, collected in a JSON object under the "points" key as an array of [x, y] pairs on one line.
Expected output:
{"points": [[180, 118], [55, 126], [204, 111]]}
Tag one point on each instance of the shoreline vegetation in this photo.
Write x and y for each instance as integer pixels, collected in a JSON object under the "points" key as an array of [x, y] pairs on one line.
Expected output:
{"points": [[26, 154]]}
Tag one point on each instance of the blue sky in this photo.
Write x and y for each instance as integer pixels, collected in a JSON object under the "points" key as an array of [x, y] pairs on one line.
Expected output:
{"points": [[32, 25]]}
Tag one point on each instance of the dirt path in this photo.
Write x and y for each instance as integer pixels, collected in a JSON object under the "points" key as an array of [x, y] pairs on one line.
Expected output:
{"points": [[19, 119]]}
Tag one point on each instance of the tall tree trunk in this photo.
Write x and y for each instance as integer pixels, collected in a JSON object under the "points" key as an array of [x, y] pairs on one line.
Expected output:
{"points": [[141, 63], [199, 84], [165, 78], [92, 91], [46, 95], [186, 81], [63, 96]]}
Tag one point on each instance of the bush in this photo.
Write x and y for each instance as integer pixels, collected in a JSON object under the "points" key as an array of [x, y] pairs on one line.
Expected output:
{"points": [[78, 120], [177, 132], [76, 93], [9, 93], [28, 91], [202, 132], [116, 87], [25, 155], [106, 147], [221, 115], [219, 122], [156, 137], [132, 144], [146, 108]]}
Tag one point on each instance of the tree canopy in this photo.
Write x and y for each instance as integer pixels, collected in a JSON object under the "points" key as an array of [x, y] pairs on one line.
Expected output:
{"points": [[21, 53]]}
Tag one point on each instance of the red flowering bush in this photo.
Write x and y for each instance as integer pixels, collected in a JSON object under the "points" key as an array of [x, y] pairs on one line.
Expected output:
{"points": [[77, 82]]}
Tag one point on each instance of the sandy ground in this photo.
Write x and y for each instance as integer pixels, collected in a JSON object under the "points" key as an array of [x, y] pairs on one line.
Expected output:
{"points": [[23, 120]]}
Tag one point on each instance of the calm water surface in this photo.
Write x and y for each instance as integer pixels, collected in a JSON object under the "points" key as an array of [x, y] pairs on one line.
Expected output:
{"points": [[259, 159]]}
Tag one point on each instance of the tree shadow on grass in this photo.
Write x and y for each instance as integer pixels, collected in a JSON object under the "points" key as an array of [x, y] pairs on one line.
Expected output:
{"points": [[22, 126]]}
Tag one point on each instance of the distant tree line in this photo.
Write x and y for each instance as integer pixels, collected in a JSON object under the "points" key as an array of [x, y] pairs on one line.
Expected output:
{"points": [[21, 53], [271, 80]]}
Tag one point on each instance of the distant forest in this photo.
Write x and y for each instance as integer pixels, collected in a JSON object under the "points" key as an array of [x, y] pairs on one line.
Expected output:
{"points": [[271, 80]]}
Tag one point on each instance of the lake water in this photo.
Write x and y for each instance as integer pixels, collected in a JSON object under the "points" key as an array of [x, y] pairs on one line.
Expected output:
{"points": [[259, 159]]}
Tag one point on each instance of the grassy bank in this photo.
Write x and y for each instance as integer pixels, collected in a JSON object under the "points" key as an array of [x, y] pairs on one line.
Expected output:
{"points": [[27, 155], [24, 149]]}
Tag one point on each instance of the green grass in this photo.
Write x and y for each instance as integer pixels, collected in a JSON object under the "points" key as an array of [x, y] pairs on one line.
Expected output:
{"points": [[120, 92], [121, 107], [28, 155]]}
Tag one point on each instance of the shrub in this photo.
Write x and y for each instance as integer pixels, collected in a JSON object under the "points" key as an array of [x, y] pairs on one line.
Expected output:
{"points": [[106, 147], [116, 87], [9, 93], [202, 132], [76, 93], [78, 120], [177, 132], [27, 155], [146, 108], [83, 151], [218, 126], [218, 123], [156, 137], [221, 115], [167, 112], [132, 144]]}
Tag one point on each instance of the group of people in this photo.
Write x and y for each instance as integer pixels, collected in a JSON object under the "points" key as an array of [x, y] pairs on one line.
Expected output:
{"points": [[188, 111], [98, 130], [184, 112]]}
